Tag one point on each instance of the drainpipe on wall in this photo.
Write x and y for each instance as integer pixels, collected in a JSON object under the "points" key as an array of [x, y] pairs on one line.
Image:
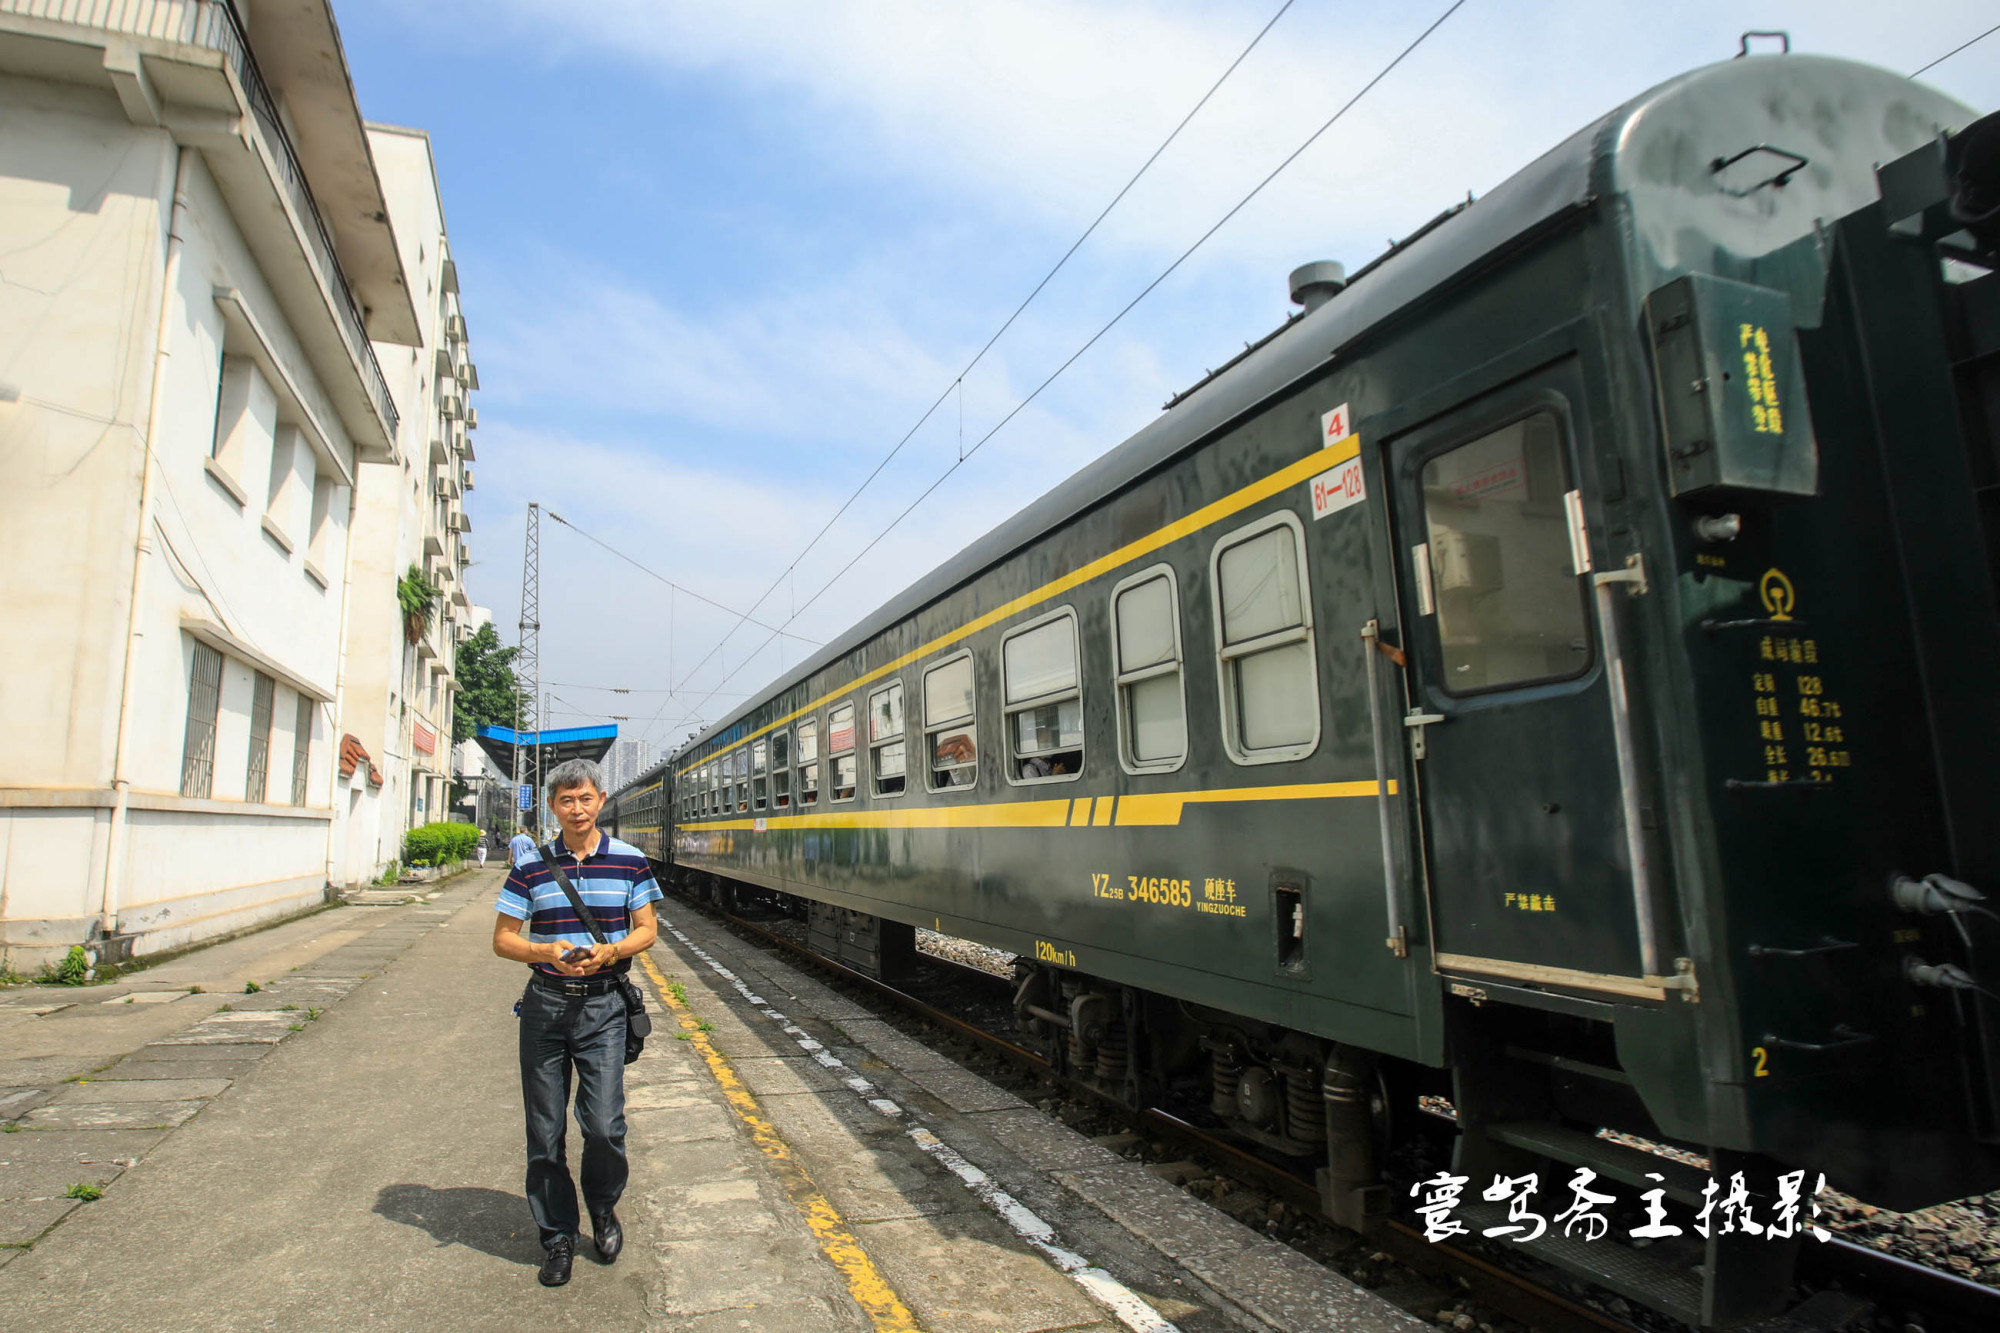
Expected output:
{"points": [[336, 828], [121, 780]]}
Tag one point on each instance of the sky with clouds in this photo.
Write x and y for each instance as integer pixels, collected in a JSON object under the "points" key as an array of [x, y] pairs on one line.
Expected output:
{"points": [[717, 260]]}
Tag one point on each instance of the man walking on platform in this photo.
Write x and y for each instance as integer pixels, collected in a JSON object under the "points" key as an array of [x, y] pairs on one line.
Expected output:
{"points": [[573, 1013], [520, 845]]}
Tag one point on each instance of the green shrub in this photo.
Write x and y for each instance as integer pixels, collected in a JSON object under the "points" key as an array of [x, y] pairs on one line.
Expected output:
{"points": [[439, 844], [73, 970]]}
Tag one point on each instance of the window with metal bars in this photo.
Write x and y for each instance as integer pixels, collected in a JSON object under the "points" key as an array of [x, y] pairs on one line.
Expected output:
{"points": [[256, 781], [204, 700], [302, 732]]}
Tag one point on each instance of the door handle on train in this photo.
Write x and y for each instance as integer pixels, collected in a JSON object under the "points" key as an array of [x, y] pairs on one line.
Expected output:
{"points": [[1416, 720]]}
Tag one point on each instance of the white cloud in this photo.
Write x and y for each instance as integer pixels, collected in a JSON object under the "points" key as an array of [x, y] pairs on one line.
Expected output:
{"points": [[710, 437]]}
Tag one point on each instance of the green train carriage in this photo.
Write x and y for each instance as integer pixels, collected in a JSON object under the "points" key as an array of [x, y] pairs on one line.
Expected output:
{"points": [[1553, 671]]}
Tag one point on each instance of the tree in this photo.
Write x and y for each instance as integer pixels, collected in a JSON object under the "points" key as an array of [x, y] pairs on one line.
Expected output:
{"points": [[486, 684]]}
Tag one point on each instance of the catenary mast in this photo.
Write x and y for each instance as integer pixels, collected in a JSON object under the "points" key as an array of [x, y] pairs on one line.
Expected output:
{"points": [[528, 664]]}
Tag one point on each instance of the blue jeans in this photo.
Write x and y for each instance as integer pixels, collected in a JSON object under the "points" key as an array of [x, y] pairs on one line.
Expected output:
{"points": [[585, 1033]]}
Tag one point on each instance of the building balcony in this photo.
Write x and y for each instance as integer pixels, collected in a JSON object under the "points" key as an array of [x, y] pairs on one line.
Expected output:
{"points": [[189, 67]]}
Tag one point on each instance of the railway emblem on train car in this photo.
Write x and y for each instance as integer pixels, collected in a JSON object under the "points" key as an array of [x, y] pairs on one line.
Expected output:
{"points": [[1776, 590]]}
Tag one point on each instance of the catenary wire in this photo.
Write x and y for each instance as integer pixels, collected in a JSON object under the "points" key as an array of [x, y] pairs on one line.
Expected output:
{"points": [[743, 617], [958, 382], [1293, 156], [1956, 49]]}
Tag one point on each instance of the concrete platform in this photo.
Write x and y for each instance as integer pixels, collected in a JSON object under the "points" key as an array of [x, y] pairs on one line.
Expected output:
{"points": [[905, 1141], [797, 1165]]}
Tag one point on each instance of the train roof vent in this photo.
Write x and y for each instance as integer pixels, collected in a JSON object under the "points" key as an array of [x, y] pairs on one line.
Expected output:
{"points": [[1314, 284]]}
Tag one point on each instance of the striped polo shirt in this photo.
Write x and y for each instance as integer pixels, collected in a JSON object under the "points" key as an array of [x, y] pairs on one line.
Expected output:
{"points": [[612, 881]]}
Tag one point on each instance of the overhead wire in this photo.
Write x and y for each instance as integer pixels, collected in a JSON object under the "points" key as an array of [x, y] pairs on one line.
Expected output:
{"points": [[1956, 49], [599, 542], [957, 384], [1238, 207]]}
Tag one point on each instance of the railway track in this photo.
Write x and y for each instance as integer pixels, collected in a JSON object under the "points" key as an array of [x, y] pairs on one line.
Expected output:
{"points": [[1927, 1298]]}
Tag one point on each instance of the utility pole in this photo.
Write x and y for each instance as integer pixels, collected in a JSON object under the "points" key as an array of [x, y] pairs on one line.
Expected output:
{"points": [[529, 664]]}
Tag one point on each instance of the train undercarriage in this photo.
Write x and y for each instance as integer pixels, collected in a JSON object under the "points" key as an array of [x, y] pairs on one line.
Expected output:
{"points": [[1527, 1093]]}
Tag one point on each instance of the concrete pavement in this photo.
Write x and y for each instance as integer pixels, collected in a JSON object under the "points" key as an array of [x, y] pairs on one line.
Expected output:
{"points": [[802, 1170]]}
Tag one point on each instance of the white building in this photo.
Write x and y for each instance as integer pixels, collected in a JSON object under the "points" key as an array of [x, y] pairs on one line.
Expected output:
{"points": [[397, 695], [198, 258]]}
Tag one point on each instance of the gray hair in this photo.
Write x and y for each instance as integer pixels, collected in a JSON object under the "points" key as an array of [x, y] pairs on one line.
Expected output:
{"points": [[574, 774]]}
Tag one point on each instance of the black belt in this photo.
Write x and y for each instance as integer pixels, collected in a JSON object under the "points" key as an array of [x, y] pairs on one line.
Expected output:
{"points": [[597, 985]]}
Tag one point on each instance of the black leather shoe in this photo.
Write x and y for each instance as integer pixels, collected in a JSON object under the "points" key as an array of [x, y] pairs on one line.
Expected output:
{"points": [[555, 1268], [610, 1237]]}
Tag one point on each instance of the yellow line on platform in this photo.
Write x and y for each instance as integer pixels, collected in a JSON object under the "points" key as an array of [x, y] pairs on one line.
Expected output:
{"points": [[865, 1283]]}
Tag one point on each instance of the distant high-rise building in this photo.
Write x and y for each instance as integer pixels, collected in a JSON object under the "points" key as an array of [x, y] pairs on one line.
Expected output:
{"points": [[628, 758]]}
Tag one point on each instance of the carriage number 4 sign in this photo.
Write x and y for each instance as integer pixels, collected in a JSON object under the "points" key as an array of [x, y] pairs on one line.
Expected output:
{"points": [[1341, 485]]}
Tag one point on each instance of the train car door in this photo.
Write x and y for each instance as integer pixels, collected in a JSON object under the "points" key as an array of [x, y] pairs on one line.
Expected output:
{"points": [[1510, 724]]}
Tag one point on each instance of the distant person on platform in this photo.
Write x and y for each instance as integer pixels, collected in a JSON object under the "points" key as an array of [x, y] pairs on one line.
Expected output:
{"points": [[519, 846], [484, 839], [573, 1011]]}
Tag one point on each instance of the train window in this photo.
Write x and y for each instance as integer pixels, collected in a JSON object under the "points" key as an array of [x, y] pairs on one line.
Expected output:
{"points": [[760, 768], [809, 762], [1146, 653], [781, 770], [1509, 608], [950, 738], [708, 781], [840, 750], [743, 781], [1044, 702], [1270, 689], [887, 756]]}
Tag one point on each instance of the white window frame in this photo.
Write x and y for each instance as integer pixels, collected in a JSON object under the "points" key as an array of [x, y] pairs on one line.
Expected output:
{"points": [[1225, 655], [928, 729], [799, 801], [875, 747], [782, 771], [1010, 761], [760, 773], [1120, 679], [741, 760], [853, 748]]}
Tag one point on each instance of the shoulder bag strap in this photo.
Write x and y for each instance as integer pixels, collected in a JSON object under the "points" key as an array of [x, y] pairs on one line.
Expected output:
{"points": [[589, 920]]}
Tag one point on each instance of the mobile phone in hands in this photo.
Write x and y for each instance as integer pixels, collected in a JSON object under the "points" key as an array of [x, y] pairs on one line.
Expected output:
{"points": [[580, 954]]}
